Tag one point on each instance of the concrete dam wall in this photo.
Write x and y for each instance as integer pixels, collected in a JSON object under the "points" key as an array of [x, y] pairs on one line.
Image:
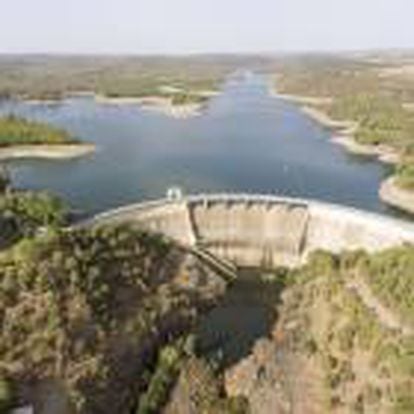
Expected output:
{"points": [[259, 230]]}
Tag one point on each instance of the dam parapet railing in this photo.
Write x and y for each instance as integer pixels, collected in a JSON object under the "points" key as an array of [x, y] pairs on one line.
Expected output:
{"points": [[262, 230]]}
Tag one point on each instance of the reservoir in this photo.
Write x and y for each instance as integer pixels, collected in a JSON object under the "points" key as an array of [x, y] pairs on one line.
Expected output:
{"points": [[245, 141]]}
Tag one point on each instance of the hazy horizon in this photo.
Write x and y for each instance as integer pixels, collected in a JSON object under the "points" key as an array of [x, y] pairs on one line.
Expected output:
{"points": [[184, 54], [186, 27]]}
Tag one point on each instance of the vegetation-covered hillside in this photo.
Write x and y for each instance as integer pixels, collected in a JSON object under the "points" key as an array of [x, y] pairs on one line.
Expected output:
{"points": [[341, 308], [98, 320], [343, 342], [371, 92], [52, 77], [381, 120], [82, 313]]}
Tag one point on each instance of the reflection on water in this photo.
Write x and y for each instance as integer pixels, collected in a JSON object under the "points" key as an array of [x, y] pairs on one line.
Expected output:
{"points": [[245, 141]]}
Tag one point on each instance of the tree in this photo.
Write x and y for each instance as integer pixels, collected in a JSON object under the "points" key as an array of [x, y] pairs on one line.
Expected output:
{"points": [[5, 396]]}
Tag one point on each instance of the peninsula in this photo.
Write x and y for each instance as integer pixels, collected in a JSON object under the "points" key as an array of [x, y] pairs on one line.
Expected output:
{"points": [[22, 138]]}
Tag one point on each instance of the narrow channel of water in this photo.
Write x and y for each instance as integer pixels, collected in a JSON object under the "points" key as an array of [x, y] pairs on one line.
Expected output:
{"points": [[247, 312]]}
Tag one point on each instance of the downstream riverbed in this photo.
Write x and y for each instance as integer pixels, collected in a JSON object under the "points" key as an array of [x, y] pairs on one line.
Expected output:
{"points": [[247, 312], [245, 140]]}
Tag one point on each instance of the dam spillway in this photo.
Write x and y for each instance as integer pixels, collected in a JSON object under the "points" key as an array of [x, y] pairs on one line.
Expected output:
{"points": [[262, 230]]}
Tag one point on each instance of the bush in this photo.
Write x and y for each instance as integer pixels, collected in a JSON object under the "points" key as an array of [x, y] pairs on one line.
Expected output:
{"points": [[27, 211], [160, 383], [5, 396], [405, 176]]}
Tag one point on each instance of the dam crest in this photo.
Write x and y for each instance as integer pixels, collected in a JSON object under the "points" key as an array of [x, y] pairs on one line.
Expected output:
{"points": [[262, 230]]}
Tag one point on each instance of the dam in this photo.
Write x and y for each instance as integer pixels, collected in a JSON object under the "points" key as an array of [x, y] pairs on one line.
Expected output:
{"points": [[261, 230]]}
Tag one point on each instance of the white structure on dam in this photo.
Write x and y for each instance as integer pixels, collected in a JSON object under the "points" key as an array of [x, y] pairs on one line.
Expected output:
{"points": [[262, 230]]}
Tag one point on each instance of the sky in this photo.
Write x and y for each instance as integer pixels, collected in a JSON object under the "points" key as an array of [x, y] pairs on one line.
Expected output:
{"points": [[203, 26]]}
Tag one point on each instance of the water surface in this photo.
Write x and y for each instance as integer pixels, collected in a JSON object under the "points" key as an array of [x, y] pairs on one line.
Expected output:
{"points": [[247, 312], [246, 140]]}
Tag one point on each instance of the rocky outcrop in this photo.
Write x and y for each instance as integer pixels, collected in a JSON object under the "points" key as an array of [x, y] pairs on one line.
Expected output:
{"points": [[259, 379], [199, 390], [275, 379], [195, 391]]}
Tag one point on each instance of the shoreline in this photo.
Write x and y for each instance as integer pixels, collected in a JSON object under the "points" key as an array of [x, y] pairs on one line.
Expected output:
{"points": [[395, 196], [181, 111], [162, 104], [383, 153], [44, 151], [389, 192], [156, 103], [307, 105], [41, 101], [302, 99], [344, 130], [318, 115]]}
